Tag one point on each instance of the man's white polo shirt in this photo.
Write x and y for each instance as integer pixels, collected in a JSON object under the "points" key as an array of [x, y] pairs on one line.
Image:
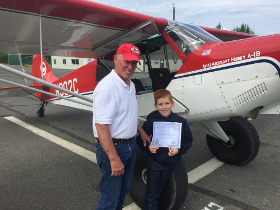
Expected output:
{"points": [[115, 104]]}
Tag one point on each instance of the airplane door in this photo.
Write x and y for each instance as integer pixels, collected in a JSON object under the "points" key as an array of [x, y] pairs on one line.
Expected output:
{"points": [[201, 95]]}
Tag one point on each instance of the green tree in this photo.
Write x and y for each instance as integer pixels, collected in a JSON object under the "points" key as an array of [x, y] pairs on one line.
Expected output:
{"points": [[245, 28], [4, 58], [219, 26]]}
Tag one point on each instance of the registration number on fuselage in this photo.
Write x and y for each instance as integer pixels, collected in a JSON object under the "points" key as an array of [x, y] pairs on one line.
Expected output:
{"points": [[71, 85]]}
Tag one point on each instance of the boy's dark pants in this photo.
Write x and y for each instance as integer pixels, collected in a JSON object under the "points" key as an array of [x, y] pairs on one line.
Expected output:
{"points": [[157, 176]]}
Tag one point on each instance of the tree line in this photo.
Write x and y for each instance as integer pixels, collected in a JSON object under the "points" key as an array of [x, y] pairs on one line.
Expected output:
{"points": [[245, 28], [4, 58]]}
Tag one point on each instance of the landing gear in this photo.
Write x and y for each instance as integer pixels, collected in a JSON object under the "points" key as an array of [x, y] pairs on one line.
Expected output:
{"points": [[175, 191], [243, 145], [41, 110]]}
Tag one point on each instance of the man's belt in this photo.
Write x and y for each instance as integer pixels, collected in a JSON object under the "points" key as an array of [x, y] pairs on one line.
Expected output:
{"points": [[117, 140]]}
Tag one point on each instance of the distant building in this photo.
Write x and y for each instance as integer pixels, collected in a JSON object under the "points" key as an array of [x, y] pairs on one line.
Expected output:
{"points": [[59, 62]]}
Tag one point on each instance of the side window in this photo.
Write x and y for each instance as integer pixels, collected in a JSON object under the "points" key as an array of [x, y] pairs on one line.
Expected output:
{"points": [[188, 37], [75, 61]]}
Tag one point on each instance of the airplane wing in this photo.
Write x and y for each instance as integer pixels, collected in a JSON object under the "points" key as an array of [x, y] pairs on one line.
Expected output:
{"points": [[70, 28], [226, 35], [81, 28]]}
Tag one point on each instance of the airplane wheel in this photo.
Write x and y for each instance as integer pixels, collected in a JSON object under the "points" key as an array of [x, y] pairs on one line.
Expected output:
{"points": [[244, 142], [175, 192], [40, 112]]}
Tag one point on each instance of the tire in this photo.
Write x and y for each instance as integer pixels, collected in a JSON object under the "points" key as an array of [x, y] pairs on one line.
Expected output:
{"points": [[175, 192], [243, 146], [40, 112]]}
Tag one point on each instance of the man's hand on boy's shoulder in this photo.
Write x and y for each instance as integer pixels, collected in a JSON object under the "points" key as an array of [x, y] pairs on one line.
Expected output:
{"points": [[153, 149], [173, 151]]}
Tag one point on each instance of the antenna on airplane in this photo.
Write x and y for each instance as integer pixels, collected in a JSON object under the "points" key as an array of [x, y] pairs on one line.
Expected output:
{"points": [[173, 11]]}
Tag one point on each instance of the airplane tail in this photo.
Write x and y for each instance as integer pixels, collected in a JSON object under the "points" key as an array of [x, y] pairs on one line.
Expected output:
{"points": [[36, 70], [81, 80]]}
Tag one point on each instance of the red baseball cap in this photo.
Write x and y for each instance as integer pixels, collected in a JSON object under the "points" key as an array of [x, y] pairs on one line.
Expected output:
{"points": [[129, 52]]}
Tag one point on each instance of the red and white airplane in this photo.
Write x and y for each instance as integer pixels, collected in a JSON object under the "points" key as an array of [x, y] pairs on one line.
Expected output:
{"points": [[219, 79]]}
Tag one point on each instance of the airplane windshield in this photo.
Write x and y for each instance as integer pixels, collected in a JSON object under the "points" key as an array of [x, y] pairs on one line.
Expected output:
{"points": [[188, 37]]}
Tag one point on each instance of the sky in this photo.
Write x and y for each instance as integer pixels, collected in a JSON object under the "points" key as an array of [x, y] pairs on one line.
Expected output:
{"points": [[262, 16]]}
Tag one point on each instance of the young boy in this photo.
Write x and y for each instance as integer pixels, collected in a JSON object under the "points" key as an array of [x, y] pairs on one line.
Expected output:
{"points": [[162, 159]]}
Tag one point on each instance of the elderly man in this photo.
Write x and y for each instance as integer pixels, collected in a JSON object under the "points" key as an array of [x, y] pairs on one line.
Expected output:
{"points": [[115, 124]]}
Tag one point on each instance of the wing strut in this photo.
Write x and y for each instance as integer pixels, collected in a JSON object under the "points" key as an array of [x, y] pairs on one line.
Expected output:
{"points": [[43, 82], [20, 60], [41, 45], [44, 92], [212, 128]]}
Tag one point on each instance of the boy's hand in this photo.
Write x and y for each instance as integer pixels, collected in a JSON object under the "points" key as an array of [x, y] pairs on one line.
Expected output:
{"points": [[173, 151], [153, 149]]}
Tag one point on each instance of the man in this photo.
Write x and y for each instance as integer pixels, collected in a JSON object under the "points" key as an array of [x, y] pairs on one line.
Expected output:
{"points": [[115, 124]]}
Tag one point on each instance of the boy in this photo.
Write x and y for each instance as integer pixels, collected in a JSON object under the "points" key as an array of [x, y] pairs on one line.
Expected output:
{"points": [[162, 159]]}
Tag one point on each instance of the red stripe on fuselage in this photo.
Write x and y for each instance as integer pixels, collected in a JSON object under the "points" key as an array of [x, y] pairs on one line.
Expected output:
{"points": [[232, 52]]}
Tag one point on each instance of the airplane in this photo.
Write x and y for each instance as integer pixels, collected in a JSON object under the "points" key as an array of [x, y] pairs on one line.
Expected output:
{"points": [[219, 79]]}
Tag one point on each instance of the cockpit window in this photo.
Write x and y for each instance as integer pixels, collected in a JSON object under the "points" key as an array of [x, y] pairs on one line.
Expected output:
{"points": [[188, 37]]}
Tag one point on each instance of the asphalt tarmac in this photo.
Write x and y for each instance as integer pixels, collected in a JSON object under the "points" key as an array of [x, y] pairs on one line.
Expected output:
{"points": [[38, 173]]}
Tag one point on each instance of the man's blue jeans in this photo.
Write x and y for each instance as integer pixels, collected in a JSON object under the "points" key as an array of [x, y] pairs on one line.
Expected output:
{"points": [[157, 177], [114, 188]]}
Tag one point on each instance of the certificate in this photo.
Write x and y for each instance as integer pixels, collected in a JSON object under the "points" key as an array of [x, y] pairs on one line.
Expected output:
{"points": [[167, 134]]}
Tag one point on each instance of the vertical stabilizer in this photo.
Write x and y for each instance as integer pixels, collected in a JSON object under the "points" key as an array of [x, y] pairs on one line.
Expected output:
{"points": [[36, 70]]}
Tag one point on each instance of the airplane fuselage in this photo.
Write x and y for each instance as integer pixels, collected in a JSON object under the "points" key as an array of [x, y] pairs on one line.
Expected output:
{"points": [[220, 80]]}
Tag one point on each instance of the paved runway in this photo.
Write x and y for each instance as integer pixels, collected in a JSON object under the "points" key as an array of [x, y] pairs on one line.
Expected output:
{"points": [[49, 163]]}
